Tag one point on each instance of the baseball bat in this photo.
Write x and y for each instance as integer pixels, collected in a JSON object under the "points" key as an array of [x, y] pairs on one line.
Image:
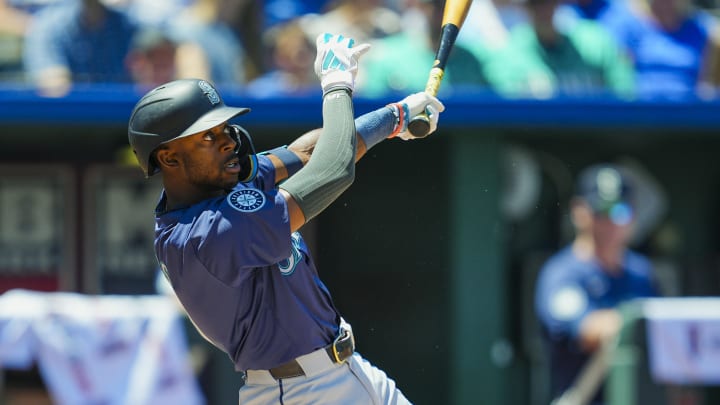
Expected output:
{"points": [[454, 15]]}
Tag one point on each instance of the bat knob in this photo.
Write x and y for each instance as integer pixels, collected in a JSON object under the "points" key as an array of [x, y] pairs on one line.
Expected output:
{"points": [[419, 126]]}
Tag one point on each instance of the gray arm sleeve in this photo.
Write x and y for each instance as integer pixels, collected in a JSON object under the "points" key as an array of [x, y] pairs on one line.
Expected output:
{"points": [[331, 168]]}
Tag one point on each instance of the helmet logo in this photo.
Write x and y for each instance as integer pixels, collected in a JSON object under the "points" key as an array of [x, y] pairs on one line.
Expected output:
{"points": [[209, 91]]}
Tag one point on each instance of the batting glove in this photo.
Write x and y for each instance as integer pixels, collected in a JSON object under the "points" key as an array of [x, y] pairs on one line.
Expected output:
{"points": [[412, 106], [337, 61]]}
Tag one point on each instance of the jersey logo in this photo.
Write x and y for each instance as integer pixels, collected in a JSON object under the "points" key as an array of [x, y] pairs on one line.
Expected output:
{"points": [[287, 266], [568, 303], [246, 200], [209, 91]]}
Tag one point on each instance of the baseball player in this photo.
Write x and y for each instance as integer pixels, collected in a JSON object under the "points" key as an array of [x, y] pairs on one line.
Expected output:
{"points": [[227, 221], [580, 287]]}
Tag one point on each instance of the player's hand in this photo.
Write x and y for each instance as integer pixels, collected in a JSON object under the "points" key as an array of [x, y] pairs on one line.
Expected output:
{"points": [[337, 61], [414, 105]]}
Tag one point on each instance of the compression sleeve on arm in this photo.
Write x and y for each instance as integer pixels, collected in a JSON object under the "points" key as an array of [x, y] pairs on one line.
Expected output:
{"points": [[331, 168]]}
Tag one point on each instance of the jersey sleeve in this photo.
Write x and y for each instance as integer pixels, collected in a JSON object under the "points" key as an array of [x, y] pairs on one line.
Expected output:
{"points": [[643, 277], [265, 179], [249, 229]]}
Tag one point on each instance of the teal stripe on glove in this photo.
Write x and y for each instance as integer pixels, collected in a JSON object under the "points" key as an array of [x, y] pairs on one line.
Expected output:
{"points": [[337, 60]]}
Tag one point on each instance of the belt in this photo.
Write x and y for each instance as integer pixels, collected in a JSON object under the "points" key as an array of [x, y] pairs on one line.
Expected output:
{"points": [[338, 351]]}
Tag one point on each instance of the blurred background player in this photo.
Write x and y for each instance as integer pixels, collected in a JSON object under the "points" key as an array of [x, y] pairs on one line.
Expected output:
{"points": [[579, 288]]}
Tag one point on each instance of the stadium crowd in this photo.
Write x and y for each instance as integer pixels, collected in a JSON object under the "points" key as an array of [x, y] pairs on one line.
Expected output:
{"points": [[645, 49]]}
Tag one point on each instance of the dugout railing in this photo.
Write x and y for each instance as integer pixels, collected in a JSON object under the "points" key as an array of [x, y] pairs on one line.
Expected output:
{"points": [[667, 352], [665, 364]]}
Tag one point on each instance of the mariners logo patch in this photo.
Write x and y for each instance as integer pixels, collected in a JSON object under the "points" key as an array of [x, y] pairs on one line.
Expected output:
{"points": [[568, 303], [246, 200], [209, 91]]}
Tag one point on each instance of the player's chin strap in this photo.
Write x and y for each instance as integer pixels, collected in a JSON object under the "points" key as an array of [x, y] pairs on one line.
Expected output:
{"points": [[246, 151]]}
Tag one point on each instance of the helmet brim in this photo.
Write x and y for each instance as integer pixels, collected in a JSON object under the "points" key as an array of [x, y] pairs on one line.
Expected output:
{"points": [[213, 118]]}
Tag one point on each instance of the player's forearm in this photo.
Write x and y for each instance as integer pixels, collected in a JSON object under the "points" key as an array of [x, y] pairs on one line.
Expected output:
{"points": [[331, 169], [377, 124], [304, 145], [598, 327], [303, 148]]}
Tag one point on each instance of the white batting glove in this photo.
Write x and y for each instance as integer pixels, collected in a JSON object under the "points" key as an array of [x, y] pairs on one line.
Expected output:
{"points": [[336, 62], [412, 106]]}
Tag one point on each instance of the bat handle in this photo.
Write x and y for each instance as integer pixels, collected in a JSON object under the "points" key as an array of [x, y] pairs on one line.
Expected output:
{"points": [[419, 125]]}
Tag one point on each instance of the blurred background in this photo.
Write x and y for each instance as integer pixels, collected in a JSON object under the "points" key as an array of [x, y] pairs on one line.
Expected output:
{"points": [[433, 254]]}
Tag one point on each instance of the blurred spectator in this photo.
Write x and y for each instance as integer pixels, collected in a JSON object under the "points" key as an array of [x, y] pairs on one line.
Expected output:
{"points": [[601, 11], [15, 17], [273, 15], [282, 11], [77, 41], [579, 288], [711, 81], [13, 23], [150, 13], [13, 20], [674, 47], [364, 21], [543, 59], [292, 71], [151, 60], [207, 47], [401, 62], [489, 22], [669, 43], [246, 19]]}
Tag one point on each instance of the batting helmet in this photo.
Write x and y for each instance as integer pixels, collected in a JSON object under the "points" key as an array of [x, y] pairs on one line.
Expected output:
{"points": [[173, 110]]}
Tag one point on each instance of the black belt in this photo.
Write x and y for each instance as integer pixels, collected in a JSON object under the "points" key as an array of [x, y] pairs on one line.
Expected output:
{"points": [[338, 351]]}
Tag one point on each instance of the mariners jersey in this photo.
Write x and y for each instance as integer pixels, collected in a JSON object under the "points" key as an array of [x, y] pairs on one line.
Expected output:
{"points": [[246, 282], [569, 288]]}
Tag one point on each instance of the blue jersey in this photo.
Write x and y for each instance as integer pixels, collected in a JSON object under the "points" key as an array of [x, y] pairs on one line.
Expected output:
{"points": [[246, 282], [569, 288], [60, 37], [667, 64]]}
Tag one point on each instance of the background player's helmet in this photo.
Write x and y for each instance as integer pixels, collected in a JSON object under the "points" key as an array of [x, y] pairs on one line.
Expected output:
{"points": [[173, 110], [608, 191]]}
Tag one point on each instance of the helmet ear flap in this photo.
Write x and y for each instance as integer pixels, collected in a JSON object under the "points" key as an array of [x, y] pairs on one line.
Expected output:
{"points": [[246, 152]]}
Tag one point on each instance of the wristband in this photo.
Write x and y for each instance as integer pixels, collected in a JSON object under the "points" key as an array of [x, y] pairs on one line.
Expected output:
{"points": [[375, 126], [400, 110], [290, 160]]}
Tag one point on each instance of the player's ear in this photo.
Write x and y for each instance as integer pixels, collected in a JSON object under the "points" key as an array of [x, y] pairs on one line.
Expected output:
{"points": [[166, 157]]}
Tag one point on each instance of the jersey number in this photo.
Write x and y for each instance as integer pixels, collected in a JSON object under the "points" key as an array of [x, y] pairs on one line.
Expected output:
{"points": [[287, 266]]}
